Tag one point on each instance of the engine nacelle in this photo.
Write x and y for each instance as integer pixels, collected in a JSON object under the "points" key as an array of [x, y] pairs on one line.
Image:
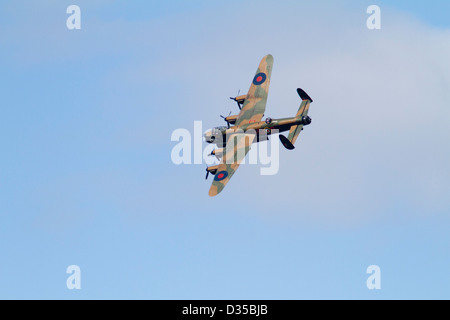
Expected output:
{"points": [[212, 170], [218, 152], [240, 100], [231, 119]]}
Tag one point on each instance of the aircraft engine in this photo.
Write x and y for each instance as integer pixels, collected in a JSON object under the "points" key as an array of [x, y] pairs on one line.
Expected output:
{"points": [[212, 170], [217, 152], [231, 119], [240, 100]]}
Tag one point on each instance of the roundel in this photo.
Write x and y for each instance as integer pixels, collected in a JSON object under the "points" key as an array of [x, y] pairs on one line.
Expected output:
{"points": [[221, 175], [259, 79]]}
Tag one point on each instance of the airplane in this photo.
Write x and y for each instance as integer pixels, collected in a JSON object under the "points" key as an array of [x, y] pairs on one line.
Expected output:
{"points": [[247, 127]]}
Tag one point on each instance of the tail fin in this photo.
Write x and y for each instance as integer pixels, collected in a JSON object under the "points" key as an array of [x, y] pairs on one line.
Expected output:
{"points": [[286, 143], [303, 95], [302, 112], [304, 106]]}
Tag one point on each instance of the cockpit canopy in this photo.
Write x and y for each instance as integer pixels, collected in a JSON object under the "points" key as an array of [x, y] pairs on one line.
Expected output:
{"points": [[220, 129]]}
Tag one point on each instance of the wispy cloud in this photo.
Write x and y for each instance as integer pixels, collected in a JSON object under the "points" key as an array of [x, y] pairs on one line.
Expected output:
{"points": [[380, 116]]}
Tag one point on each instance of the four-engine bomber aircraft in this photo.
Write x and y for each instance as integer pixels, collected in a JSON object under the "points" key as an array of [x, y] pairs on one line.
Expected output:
{"points": [[247, 127]]}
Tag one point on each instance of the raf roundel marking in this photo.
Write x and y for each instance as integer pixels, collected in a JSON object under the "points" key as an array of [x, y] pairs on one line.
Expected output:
{"points": [[259, 79], [221, 175]]}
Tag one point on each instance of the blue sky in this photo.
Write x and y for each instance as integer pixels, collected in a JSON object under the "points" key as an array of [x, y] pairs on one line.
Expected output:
{"points": [[86, 176]]}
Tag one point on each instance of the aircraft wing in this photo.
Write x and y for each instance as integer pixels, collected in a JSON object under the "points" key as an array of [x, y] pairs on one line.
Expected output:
{"points": [[238, 145], [255, 103]]}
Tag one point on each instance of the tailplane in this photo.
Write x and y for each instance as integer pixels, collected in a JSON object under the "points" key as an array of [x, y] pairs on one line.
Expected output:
{"points": [[302, 113], [286, 143]]}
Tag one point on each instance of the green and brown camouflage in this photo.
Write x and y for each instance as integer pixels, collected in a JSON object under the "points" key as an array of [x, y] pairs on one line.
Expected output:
{"points": [[237, 140], [255, 102], [232, 158], [302, 113]]}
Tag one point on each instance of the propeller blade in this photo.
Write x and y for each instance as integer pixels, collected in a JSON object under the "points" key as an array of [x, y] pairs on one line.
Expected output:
{"points": [[207, 174], [239, 106], [225, 118]]}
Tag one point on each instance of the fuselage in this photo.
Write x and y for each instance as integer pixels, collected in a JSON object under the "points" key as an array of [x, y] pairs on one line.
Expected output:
{"points": [[219, 134]]}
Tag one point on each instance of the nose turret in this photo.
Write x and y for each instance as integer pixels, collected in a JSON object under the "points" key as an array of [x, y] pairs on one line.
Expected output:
{"points": [[209, 136]]}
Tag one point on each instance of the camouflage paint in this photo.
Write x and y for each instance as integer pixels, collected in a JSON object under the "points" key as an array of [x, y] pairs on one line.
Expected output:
{"points": [[249, 119]]}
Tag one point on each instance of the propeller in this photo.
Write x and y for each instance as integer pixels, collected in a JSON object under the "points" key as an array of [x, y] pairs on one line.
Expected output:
{"points": [[207, 173], [239, 105], [225, 118]]}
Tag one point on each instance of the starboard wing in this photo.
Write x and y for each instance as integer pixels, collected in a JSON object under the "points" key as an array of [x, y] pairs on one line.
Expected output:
{"points": [[255, 103]]}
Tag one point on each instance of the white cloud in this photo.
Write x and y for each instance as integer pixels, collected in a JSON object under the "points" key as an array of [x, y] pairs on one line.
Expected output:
{"points": [[378, 142], [377, 145]]}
